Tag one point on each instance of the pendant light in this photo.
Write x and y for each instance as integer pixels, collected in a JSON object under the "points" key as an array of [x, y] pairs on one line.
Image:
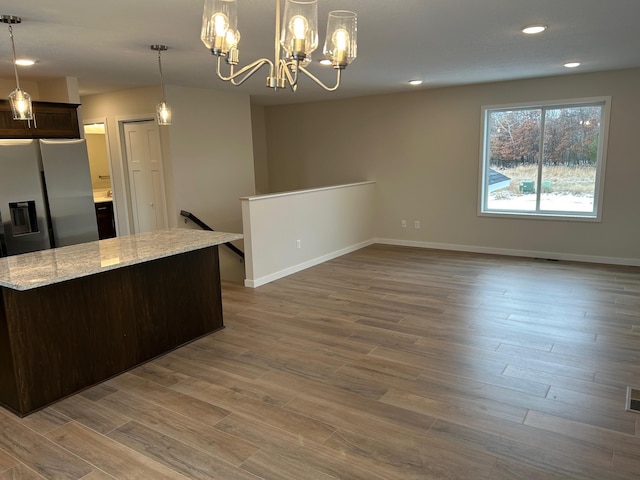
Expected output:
{"points": [[163, 110], [19, 100]]}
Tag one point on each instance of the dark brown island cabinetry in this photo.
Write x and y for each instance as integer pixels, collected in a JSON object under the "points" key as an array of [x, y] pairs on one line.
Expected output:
{"points": [[51, 120], [106, 220], [74, 316]]}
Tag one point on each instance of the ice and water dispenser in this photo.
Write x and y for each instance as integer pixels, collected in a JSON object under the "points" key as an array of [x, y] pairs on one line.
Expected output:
{"points": [[20, 230], [24, 219]]}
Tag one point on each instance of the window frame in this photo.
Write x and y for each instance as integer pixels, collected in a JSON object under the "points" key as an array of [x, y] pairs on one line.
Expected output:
{"points": [[485, 148]]}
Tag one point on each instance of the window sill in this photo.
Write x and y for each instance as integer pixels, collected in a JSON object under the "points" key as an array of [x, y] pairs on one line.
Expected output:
{"points": [[542, 216]]}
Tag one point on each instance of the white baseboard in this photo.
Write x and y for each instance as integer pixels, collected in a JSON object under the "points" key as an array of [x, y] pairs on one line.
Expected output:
{"points": [[304, 265], [633, 262]]}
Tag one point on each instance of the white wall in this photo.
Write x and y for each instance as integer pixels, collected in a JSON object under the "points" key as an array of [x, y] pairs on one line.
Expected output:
{"points": [[212, 158], [60, 90], [207, 155], [260, 160], [63, 89], [8, 85], [422, 148], [328, 222]]}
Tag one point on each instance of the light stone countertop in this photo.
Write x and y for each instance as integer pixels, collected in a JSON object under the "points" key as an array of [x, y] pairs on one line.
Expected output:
{"points": [[46, 267], [102, 195]]}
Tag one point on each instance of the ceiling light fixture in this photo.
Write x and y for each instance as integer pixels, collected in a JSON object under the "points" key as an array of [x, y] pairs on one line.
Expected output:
{"points": [[415, 82], [24, 62], [572, 64], [163, 110], [19, 100], [533, 29], [296, 36]]}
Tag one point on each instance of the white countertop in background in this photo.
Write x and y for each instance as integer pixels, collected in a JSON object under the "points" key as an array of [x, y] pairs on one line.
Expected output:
{"points": [[46, 267], [102, 195]]}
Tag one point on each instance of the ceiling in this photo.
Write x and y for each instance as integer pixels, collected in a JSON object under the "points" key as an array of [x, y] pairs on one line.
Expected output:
{"points": [[105, 44]]}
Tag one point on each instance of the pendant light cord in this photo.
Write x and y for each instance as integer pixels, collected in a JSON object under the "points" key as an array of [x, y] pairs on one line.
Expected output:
{"points": [[161, 78], [13, 48]]}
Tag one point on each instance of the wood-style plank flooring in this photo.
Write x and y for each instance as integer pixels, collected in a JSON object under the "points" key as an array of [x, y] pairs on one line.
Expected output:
{"points": [[388, 363]]}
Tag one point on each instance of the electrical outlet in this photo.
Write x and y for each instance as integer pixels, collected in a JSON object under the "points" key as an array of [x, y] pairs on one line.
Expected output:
{"points": [[416, 224], [298, 243], [403, 224]]}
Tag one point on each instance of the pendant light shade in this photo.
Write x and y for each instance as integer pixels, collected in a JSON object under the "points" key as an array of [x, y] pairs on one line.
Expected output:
{"points": [[19, 100], [163, 113], [21, 106], [163, 110]]}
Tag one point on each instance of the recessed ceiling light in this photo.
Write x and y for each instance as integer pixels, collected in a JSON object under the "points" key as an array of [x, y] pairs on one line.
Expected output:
{"points": [[325, 61], [533, 29], [572, 64], [415, 82], [24, 62]]}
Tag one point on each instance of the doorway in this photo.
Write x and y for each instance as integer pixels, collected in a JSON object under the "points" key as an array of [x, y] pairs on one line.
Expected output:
{"points": [[100, 168], [145, 173]]}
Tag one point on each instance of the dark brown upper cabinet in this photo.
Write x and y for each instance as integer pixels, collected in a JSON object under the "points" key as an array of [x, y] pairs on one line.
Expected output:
{"points": [[51, 120]]}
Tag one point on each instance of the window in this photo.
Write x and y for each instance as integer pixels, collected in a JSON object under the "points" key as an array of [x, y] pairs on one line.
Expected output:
{"points": [[544, 160]]}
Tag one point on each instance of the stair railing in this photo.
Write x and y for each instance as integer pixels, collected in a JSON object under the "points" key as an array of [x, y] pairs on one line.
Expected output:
{"points": [[190, 216]]}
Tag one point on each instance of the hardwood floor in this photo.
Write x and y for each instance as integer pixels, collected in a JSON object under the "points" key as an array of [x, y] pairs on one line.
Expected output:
{"points": [[387, 363]]}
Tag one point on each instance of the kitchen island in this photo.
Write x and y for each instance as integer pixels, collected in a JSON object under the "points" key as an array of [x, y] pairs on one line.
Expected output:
{"points": [[73, 316]]}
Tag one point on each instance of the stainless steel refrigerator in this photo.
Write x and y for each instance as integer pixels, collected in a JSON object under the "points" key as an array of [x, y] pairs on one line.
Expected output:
{"points": [[46, 199]]}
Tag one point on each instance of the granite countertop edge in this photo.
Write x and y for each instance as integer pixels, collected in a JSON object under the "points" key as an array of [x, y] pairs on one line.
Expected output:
{"points": [[48, 267]]}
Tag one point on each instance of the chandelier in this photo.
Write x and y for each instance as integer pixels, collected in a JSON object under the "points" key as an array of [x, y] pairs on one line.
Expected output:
{"points": [[296, 37], [20, 100]]}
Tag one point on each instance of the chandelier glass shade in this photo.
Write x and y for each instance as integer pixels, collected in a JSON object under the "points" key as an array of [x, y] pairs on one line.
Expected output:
{"points": [[340, 45], [20, 101], [299, 35], [296, 38]]}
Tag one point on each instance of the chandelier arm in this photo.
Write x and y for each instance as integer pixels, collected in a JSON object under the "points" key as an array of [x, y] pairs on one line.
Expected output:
{"points": [[319, 82], [258, 65], [251, 69], [233, 76], [296, 72], [285, 72], [233, 80]]}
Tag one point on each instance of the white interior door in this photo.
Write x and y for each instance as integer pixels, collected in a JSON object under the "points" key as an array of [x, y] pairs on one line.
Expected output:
{"points": [[146, 179]]}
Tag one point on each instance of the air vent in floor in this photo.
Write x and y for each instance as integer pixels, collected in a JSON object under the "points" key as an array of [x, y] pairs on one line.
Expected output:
{"points": [[633, 400]]}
